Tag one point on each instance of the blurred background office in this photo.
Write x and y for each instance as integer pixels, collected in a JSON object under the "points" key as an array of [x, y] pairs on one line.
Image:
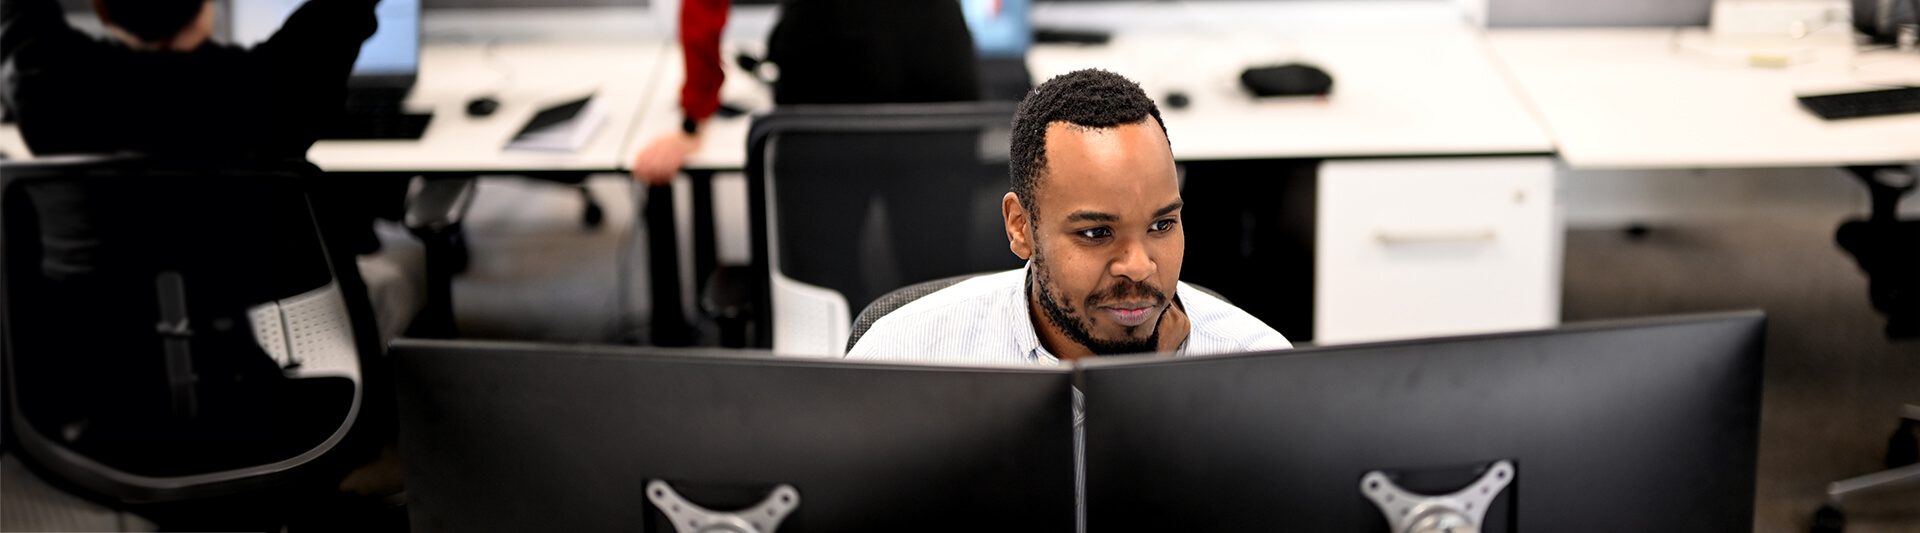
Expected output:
{"points": [[1354, 171]]}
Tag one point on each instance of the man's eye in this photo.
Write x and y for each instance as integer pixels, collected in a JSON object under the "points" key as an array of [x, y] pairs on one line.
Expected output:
{"points": [[1096, 233], [1163, 225]]}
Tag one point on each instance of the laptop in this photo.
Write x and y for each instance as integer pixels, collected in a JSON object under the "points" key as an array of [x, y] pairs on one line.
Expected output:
{"points": [[385, 73]]}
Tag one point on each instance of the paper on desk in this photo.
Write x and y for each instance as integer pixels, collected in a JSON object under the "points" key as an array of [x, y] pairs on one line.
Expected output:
{"points": [[562, 128]]}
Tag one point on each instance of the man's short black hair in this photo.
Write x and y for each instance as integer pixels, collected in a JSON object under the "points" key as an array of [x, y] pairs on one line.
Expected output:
{"points": [[1090, 98], [153, 20]]}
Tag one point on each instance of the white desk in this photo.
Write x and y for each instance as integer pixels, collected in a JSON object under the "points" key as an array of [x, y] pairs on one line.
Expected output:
{"points": [[11, 145], [1629, 98], [1411, 92], [524, 77]]}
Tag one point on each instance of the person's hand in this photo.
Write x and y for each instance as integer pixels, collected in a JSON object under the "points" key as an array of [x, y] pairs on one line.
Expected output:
{"points": [[1174, 328], [663, 157]]}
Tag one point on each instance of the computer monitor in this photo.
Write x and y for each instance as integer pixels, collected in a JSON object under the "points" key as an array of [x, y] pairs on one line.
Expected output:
{"points": [[390, 57], [506, 437], [1002, 33], [1627, 426], [1001, 28]]}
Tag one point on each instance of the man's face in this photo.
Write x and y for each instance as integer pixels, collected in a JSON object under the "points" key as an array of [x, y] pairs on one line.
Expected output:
{"points": [[1105, 235]]}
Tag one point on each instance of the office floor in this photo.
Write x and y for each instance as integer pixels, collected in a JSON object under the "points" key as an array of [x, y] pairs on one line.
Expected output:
{"points": [[538, 274], [1833, 382]]}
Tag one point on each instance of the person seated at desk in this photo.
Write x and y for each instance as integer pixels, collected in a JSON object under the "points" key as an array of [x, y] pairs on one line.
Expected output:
{"points": [[828, 52], [1095, 210], [160, 86]]}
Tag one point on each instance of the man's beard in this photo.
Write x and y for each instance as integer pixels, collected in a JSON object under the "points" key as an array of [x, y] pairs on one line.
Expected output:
{"points": [[1077, 327]]}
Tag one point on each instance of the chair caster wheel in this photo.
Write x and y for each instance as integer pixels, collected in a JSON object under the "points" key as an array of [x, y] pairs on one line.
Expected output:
{"points": [[1829, 520]]}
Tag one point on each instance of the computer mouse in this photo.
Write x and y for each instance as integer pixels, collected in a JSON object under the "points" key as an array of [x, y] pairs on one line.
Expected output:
{"points": [[1178, 100], [1292, 79], [482, 106]]}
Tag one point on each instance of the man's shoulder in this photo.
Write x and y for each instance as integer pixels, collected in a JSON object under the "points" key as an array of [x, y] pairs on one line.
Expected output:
{"points": [[1221, 327], [938, 317]]}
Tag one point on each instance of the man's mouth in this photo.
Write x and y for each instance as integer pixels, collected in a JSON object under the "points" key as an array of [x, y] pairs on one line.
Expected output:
{"points": [[1130, 314]]}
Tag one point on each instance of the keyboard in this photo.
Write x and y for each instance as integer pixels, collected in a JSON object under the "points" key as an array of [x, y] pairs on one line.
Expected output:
{"points": [[1864, 104], [356, 124]]}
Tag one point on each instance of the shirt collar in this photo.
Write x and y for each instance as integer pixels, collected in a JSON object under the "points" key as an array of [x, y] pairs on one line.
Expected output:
{"points": [[1023, 333]]}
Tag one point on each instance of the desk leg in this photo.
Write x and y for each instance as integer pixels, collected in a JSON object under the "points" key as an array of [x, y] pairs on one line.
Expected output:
{"points": [[706, 256], [669, 324]]}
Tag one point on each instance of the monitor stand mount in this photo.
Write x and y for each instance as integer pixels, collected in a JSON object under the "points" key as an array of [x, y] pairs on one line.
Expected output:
{"points": [[1461, 512], [689, 518]]}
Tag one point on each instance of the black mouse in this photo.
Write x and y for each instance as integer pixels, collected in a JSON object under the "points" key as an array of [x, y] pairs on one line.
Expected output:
{"points": [[482, 106], [1178, 100], [1292, 79]]}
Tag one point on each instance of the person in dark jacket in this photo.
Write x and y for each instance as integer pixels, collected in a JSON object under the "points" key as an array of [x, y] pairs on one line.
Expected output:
{"points": [[159, 85]]}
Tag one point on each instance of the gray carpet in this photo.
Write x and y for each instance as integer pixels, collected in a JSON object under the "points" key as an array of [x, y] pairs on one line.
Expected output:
{"points": [[1833, 383], [538, 274]]}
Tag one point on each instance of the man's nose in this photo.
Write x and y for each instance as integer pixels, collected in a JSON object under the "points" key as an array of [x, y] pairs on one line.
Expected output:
{"points": [[1134, 263]]}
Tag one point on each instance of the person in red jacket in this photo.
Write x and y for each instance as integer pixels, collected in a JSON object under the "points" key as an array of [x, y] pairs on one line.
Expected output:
{"points": [[828, 52]]}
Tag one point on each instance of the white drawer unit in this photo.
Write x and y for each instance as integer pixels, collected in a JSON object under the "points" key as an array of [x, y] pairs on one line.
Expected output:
{"points": [[1410, 248]]}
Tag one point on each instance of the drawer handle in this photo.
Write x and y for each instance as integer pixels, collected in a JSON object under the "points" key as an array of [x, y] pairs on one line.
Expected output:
{"points": [[1396, 237]]}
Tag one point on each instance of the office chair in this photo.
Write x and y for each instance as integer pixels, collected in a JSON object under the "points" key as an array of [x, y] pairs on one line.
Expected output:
{"points": [[1903, 470], [1888, 252], [178, 331], [848, 202], [900, 297], [1887, 248], [895, 300]]}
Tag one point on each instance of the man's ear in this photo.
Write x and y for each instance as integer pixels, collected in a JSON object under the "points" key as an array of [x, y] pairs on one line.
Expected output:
{"points": [[1019, 235]]}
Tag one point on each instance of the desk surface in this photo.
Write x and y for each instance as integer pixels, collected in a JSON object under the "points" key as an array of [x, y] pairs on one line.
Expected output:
{"points": [[1406, 92], [1410, 92], [524, 77], [1654, 98]]}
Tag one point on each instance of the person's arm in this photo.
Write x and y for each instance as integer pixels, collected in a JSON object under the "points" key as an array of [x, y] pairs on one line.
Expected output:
{"points": [[30, 28], [701, 23], [323, 37], [25, 24], [24, 21]]}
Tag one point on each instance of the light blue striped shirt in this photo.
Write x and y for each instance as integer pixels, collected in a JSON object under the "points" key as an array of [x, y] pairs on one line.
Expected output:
{"points": [[986, 320]]}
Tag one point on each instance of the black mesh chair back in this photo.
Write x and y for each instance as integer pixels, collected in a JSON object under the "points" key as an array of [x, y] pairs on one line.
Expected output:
{"points": [[175, 330], [850, 202]]}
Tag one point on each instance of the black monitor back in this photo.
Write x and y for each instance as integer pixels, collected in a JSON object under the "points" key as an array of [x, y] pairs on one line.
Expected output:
{"points": [[1628, 426], [510, 437]]}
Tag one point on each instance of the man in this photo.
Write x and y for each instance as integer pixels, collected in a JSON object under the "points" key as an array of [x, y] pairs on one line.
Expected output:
{"points": [[1095, 210]]}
